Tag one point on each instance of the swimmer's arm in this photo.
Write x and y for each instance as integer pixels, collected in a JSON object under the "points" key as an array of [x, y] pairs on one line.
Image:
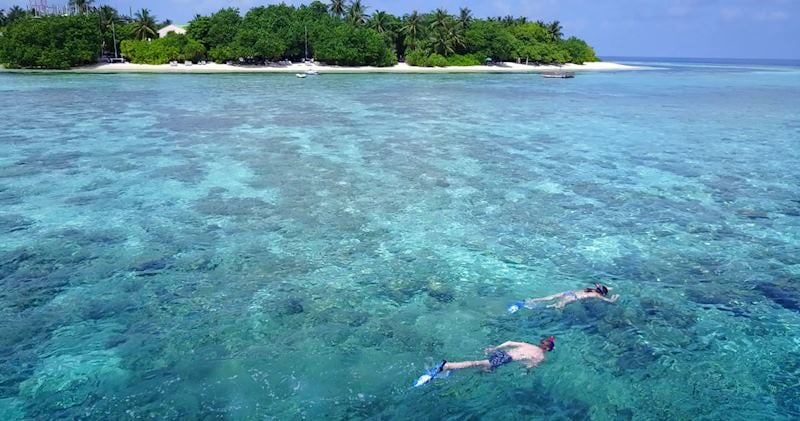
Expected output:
{"points": [[531, 364], [506, 344], [613, 298], [509, 344]]}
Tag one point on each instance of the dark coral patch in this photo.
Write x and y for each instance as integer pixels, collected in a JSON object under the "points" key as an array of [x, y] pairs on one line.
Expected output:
{"points": [[788, 298], [216, 204], [13, 223]]}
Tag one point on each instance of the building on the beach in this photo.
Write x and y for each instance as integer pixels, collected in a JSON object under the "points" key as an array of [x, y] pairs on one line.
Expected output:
{"points": [[178, 29]]}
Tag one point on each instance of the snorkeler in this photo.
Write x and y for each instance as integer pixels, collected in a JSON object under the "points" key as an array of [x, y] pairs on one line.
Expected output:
{"points": [[561, 299], [599, 291], [530, 355]]}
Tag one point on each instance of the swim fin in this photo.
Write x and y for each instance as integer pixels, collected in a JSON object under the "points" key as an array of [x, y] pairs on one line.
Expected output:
{"points": [[519, 305], [515, 307], [430, 375]]}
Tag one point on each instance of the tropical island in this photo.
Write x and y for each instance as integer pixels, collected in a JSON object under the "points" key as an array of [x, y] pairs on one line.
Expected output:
{"points": [[337, 34]]}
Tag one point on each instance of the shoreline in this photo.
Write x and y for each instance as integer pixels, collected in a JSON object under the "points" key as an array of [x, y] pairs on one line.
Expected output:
{"points": [[401, 68]]}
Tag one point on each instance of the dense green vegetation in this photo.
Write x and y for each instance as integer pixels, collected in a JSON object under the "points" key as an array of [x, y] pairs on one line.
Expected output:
{"points": [[50, 43], [339, 32], [163, 50]]}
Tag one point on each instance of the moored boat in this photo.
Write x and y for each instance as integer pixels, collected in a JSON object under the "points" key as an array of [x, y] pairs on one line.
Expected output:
{"points": [[559, 75]]}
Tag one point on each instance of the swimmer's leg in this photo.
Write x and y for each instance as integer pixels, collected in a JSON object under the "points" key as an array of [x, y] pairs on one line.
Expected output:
{"points": [[560, 304], [484, 364], [548, 298]]}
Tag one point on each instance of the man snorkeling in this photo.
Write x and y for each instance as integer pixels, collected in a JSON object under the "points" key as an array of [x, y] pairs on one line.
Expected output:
{"points": [[528, 354], [561, 299]]}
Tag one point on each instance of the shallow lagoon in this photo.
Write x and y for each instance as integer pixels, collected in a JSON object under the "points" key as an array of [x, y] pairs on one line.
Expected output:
{"points": [[259, 246]]}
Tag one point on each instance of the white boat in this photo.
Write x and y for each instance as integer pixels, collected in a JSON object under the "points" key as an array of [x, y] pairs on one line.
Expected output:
{"points": [[307, 61], [559, 75], [301, 75]]}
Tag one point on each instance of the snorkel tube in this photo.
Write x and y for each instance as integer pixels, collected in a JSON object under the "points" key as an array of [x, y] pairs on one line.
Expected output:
{"points": [[600, 289], [551, 343]]}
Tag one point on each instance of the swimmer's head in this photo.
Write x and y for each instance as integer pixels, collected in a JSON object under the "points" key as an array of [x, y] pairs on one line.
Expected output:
{"points": [[601, 289], [548, 344]]}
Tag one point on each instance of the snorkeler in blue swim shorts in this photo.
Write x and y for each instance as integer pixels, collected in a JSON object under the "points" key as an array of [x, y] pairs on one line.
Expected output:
{"points": [[528, 354], [522, 352]]}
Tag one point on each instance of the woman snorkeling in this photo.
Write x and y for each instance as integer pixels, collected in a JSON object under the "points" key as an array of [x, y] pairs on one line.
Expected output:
{"points": [[561, 299]]}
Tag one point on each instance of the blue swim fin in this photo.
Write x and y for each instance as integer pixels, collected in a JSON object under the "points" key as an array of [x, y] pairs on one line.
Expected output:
{"points": [[515, 307], [519, 305], [429, 375]]}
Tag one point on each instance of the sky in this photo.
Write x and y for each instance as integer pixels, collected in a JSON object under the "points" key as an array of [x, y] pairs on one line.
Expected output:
{"points": [[633, 28]]}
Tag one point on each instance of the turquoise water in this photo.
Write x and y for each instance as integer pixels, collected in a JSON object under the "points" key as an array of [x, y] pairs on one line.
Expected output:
{"points": [[261, 246]]}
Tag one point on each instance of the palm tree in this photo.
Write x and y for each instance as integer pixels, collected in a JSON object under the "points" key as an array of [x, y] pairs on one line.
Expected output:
{"points": [[108, 15], [443, 42], [554, 29], [412, 29], [509, 20], [446, 34], [456, 38], [144, 25], [380, 22], [356, 14], [15, 13], [81, 6], [464, 18], [440, 19], [2, 18], [337, 8]]}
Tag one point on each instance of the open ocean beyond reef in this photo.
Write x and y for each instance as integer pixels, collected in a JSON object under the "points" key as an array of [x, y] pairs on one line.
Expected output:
{"points": [[267, 247]]}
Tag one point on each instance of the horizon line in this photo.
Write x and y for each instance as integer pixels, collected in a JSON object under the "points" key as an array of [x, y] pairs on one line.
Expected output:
{"points": [[697, 57]]}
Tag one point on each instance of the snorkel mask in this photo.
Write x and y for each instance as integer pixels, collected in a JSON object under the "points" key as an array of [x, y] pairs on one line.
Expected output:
{"points": [[549, 343]]}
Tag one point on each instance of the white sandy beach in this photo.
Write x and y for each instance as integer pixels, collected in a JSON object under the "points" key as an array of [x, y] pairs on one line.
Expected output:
{"points": [[302, 67]]}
